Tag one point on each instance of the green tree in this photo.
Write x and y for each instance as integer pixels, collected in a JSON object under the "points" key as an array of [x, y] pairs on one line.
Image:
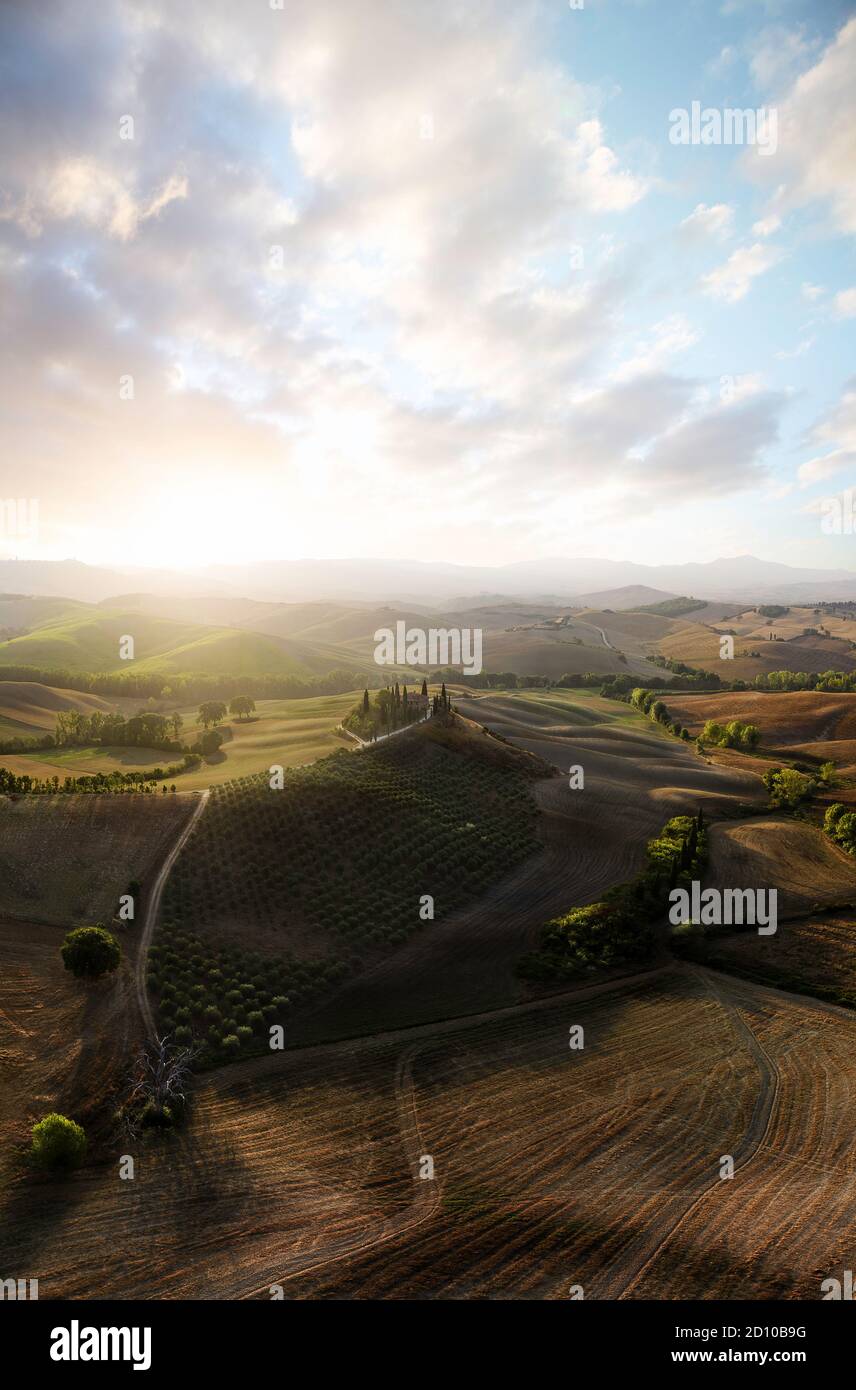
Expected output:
{"points": [[90, 952], [211, 712], [58, 1142], [242, 706]]}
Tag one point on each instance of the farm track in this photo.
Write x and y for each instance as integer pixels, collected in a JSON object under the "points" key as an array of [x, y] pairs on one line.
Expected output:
{"points": [[152, 908], [655, 1241]]}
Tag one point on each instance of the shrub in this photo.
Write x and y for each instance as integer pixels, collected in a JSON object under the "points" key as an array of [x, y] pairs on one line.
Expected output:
{"points": [[58, 1142], [90, 952], [231, 1043]]}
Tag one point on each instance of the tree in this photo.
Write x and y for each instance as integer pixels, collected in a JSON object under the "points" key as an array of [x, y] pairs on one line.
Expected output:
{"points": [[208, 743], [211, 712], [242, 705], [176, 722], [365, 701], [58, 1142], [159, 1082], [90, 952], [425, 689]]}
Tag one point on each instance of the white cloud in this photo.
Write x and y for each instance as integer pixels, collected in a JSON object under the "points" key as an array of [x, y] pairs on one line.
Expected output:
{"points": [[767, 225], [835, 431], [714, 221], [816, 157], [733, 280], [844, 304], [812, 292]]}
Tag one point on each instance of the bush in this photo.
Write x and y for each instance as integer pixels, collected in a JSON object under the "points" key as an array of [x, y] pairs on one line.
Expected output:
{"points": [[58, 1142], [231, 1043], [90, 952]]}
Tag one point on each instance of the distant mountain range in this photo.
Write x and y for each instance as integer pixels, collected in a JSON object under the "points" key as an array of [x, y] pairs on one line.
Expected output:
{"points": [[744, 578]]}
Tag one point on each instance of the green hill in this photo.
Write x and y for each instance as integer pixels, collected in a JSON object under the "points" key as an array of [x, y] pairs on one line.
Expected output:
{"points": [[86, 639]]}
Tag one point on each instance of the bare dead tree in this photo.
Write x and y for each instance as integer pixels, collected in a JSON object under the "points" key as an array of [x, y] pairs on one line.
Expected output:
{"points": [[160, 1079]]}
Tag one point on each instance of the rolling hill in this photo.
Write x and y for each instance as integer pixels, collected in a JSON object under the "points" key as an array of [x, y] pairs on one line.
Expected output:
{"points": [[86, 639]]}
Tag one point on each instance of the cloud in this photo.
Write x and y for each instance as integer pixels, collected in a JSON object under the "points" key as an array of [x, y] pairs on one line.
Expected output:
{"points": [[816, 159], [835, 431], [419, 346], [767, 225], [733, 280], [844, 304], [714, 222]]}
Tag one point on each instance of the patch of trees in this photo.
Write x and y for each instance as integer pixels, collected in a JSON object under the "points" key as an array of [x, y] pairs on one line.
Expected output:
{"points": [[840, 825], [672, 607], [186, 689], [144, 730], [772, 610], [734, 734], [392, 708], [619, 929], [789, 788], [98, 783], [648, 702]]}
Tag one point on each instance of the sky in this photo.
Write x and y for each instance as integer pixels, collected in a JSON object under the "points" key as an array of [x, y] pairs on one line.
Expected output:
{"points": [[328, 278]]}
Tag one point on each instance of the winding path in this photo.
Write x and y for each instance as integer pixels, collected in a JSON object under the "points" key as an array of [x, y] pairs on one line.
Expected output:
{"points": [[152, 908]]}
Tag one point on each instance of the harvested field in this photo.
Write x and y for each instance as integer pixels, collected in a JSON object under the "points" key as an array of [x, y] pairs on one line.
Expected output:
{"points": [[790, 720], [812, 954], [553, 1167], [778, 852], [63, 1044], [65, 859]]}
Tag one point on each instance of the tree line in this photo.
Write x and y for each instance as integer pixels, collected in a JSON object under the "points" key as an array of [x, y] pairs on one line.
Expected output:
{"points": [[186, 689]]}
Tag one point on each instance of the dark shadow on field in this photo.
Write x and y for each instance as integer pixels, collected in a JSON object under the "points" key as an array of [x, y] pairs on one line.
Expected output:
{"points": [[592, 839]]}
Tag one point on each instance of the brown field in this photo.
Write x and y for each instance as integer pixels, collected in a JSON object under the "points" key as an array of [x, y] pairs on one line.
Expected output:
{"points": [[790, 855], [813, 953], [698, 645], [65, 859], [822, 726], [553, 1167]]}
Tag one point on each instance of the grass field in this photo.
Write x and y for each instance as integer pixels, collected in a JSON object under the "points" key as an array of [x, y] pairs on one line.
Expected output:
{"points": [[284, 732], [88, 639]]}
